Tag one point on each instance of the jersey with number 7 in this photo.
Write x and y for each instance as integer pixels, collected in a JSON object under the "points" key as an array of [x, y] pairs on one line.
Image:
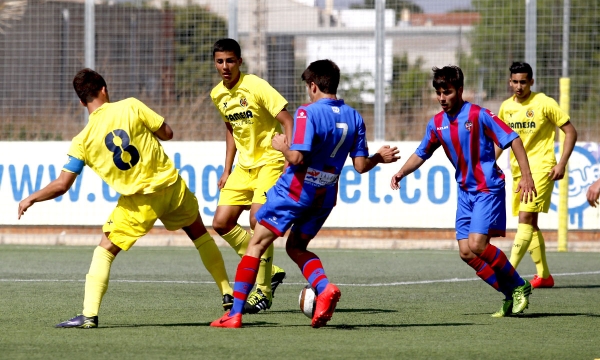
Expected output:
{"points": [[326, 132], [119, 144]]}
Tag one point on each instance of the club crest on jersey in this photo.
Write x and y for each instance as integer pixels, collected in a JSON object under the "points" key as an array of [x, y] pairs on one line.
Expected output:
{"points": [[468, 125], [529, 114], [244, 102]]}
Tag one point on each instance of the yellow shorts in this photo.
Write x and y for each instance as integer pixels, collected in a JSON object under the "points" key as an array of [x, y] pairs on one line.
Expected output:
{"points": [[541, 203], [247, 187], [176, 206]]}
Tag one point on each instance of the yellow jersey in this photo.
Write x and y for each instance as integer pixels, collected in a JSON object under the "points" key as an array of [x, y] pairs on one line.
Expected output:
{"points": [[535, 120], [251, 107], [119, 144]]}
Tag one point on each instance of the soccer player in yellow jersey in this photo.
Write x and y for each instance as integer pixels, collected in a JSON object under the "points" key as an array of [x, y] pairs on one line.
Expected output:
{"points": [[535, 116], [253, 113], [120, 143]]}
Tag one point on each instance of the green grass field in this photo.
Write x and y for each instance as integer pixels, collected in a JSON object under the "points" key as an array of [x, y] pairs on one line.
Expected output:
{"points": [[395, 304]]}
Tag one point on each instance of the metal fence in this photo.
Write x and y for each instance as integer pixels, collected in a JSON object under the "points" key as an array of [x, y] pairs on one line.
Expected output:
{"points": [[160, 52]]}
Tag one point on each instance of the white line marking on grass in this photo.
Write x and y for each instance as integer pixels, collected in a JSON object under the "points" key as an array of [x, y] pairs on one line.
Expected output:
{"points": [[421, 282]]}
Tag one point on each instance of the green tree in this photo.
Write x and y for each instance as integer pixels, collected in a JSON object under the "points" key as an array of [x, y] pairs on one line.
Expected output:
{"points": [[196, 30], [499, 39]]}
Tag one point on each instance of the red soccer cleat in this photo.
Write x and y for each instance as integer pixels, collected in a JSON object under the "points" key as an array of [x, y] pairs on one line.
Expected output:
{"points": [[226, 321], [326, 302], [538, 282]]}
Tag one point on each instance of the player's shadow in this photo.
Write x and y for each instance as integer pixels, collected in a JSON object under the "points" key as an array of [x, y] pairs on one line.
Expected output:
{"points": [[572, 287], [338, 310], [539, 315]]}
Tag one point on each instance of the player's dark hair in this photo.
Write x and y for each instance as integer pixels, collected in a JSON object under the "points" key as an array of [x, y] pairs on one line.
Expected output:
{"points": [[87, 84], [521, 68], [450, 74], [325, 74], [227, 44]]}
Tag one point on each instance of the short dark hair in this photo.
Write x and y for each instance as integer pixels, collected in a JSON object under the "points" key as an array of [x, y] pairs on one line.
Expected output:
{"points": [[325, 74], [450, 74], [521, 68], [87, 84], [227, 44]]}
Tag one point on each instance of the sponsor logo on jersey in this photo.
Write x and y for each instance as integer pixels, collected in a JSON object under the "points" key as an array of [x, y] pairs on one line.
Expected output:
{"points": [[301, 114], [335, 109], [224, 105], [244, 102], [522, 125], [440, 128], [242, 115], [468, 125], [319, 178]]}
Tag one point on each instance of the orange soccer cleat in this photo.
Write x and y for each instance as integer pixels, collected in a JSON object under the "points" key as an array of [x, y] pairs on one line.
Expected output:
{"points": [[326, 302], [226, 321], [539, 282]]}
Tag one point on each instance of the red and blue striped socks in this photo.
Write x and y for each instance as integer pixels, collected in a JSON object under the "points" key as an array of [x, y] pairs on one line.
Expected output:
{"points": [[245, 277]]}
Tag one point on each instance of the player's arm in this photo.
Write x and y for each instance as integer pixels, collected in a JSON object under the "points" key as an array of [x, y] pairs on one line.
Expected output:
{"points": [[287, 122], [558, 171], [165, 132], [526, 184], [593, 193], [280, 143], [230, 151], [413, 163], [55, 189], [385, 155]]}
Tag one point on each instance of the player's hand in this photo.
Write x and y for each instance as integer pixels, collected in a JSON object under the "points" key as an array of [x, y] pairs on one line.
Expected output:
{"points": [[389, 154], [396, 178], [557, 172], [223, 180], [23, 206], [527, 189], [279, 142], [593, 193]]}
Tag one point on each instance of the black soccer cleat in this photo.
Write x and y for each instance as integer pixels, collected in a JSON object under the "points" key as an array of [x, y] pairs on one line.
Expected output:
{"points": [[277, 276], [227, 302], [81, 322]]}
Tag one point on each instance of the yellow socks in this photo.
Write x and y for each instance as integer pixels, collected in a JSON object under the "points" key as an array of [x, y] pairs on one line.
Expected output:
{"points": [[521, 243], [96, 281], [238, 238], [213, 261], [265, 271], [537, 249]]}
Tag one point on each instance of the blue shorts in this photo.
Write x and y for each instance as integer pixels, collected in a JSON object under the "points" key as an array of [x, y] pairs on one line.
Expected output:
{"points": [[280, 212], [481, 213]]}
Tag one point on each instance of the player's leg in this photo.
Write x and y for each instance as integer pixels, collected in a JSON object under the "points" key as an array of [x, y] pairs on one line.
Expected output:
{"points": [[537, 248], [119, 234], [245, 276], [181, 211], [524, 230], [489, 220], [328, 294]]}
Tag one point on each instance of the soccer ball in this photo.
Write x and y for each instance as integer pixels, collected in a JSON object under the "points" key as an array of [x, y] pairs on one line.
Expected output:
{"points": [[307, 301]]}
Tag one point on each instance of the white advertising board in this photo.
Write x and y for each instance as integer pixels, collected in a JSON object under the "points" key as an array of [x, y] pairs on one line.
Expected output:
{"points": [[427, 198]]}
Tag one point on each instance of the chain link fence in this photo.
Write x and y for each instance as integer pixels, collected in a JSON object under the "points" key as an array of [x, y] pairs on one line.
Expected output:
{"points": [[161, 53]]}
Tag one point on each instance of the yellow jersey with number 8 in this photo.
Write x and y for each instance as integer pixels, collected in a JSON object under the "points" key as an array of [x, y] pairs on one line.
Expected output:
{"points": [[119, 144]]}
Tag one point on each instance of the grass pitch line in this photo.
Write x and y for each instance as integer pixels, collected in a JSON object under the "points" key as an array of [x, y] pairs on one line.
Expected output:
{"points": [[400, 283]]}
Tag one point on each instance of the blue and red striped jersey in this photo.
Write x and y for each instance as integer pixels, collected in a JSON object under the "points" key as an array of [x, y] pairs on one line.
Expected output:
{"points": [[468, 141], [326, 132]]}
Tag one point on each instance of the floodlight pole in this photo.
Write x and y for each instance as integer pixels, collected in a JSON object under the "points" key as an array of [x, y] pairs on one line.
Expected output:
{"points": [[379, 110], [232, 31]]}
